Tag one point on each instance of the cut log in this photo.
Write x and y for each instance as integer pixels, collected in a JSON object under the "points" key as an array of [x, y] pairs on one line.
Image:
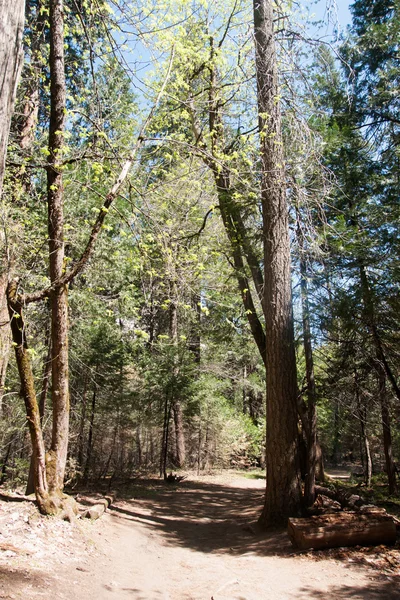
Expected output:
{"points": [[98, 509], [95, 512], [342, 529]]}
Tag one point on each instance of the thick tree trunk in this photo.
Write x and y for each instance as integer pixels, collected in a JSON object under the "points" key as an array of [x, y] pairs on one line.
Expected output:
{"points": [[283, 494], [57, 456], [11, 58]]}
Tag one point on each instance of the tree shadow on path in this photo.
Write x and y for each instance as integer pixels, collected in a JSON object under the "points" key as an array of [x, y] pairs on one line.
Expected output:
{"points": [[222, 520], [205, 517]]}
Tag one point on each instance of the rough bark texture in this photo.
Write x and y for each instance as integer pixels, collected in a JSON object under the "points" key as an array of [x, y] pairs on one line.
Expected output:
{"points": [[57, 455], [11, 58], [342, 529], [29, 395], [283, 494]]}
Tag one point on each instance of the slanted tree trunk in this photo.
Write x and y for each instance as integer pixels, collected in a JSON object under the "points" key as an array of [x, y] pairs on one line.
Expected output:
{"points": [[57, 456], [244, 257], [283, 494], [29, 395]]}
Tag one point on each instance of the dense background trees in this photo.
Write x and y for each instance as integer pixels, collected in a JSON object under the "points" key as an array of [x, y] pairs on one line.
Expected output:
{"points": [[172, 223]]}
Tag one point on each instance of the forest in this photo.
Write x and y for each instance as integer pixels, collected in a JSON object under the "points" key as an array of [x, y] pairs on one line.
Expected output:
{"points": [[199, 244]]}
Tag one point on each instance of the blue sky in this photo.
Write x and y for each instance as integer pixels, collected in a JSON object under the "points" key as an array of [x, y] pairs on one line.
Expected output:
{"points": [[338, 8]]}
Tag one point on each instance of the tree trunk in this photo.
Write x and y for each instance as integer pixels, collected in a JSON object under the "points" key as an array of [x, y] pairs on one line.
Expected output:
{"points": [[242, 251], [165, 438], [82, 422], [362, 415], [57, 456], [30, 487], [11, 59], [5, 337], [311, 468], [379, 364], [195, 339], [180, 448], [386, 429], [179, 435], [283, 495], [89, 446], [29, 395]]}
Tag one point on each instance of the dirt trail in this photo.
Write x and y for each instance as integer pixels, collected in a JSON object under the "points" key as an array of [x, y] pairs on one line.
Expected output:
{"points": [[197, 541]]}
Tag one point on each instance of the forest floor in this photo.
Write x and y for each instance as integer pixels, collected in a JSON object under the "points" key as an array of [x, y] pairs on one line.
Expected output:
{"points": [[194, 541]]}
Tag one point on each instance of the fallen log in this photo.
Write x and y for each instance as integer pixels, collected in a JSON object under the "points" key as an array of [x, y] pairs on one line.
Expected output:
{"points": [[94, 512], [343, 496], [342, 529], [97, 510]]}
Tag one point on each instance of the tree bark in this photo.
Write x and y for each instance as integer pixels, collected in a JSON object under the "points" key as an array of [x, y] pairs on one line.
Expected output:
{"points": [[11, 59], [57, 455], [283, 494], [5, 337], [29, 396]]}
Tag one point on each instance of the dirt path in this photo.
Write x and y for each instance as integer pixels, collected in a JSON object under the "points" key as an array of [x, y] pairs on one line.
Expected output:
{"points": [[193, 542]]}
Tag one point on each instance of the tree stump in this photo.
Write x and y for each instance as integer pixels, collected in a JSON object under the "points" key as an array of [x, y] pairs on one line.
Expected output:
{"points": [[369, 528]]}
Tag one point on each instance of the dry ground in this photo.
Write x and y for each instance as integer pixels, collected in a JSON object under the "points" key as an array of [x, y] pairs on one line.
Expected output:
{"points": [[195, 541]]}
